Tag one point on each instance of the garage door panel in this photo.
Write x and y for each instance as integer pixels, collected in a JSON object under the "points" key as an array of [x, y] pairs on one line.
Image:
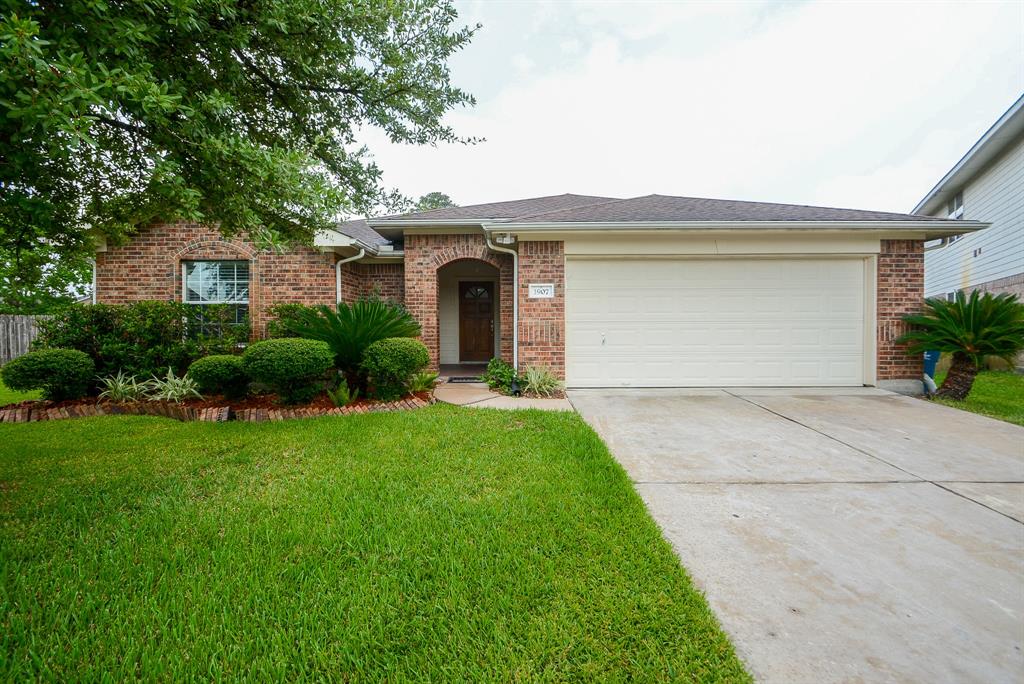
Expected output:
{"points": [[700, 322]]}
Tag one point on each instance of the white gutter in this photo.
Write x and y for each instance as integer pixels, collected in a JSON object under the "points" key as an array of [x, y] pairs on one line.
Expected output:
{"points": [[515, 296], [337, 272], [943, 243], [940, 224]]}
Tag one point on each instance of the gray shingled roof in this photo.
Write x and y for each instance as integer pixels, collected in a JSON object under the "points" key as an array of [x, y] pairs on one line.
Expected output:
{"points": [[500, 210], [656, 208], [358, 230]]}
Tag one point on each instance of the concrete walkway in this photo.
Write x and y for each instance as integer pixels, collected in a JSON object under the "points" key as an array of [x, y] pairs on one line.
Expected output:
{"points": [[477, 395], [840, 536]]}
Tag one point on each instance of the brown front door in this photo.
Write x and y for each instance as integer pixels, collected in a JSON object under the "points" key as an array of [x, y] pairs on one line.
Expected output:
{"points": [[476, 321]]}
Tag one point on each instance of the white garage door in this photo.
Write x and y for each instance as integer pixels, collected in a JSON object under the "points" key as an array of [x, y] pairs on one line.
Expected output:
{"points": [[714, 322]]}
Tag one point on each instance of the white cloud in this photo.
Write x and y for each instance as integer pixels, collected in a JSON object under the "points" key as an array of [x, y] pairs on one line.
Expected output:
{"points": [[839, 104]]}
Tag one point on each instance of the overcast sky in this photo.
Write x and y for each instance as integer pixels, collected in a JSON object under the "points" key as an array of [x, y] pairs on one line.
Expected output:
{"points": [[852, 104]]}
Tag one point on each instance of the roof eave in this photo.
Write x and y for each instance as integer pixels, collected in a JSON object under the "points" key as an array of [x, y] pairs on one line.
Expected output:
{"points": [[931, 229], [441, 223], [1004, 131]]}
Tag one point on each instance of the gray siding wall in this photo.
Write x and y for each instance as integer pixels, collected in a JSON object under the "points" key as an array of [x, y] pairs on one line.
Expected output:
{"points": [[995, 196]]}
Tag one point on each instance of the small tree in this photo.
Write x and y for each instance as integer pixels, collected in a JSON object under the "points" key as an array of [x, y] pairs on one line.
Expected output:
{"points": [[971, 327], [434, 200]]}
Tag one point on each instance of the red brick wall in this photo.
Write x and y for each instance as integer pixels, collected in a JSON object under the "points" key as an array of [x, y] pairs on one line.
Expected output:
{"points": [[900, 291], [362, 279], [424, 255], [149, 267], [542, 321]]}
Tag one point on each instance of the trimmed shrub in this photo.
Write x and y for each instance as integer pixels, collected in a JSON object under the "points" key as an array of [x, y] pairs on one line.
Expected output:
{"points": [[292, 367], [390, 364], [60, 373], [145, 338], [220, 374]]}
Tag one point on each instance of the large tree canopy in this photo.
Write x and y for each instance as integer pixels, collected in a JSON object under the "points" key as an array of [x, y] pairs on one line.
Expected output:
{"points": [[240, 113]]}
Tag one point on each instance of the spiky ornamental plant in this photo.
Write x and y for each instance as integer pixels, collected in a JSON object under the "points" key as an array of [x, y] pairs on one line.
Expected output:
{"points": [[353, 328], [971, 327]]}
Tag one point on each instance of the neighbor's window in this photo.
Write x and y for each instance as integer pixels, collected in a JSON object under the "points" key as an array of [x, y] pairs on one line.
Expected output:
{"points": [[956, 206], [217, 282]]}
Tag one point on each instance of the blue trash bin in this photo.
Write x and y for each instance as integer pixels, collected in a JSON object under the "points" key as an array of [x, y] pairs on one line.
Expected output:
{"points": [[931, 359]]}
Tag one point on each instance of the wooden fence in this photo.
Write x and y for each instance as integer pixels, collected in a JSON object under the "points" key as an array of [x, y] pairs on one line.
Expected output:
{"points": [[16, 334]]}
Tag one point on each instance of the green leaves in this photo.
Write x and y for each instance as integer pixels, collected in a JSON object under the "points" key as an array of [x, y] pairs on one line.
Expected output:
{"points": [[354, 327], [243, 115], [977, 325]]}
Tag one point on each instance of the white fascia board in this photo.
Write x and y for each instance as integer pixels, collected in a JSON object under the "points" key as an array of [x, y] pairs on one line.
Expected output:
{"points": [[989, 146], [332, 238], [428, 222], [930, 229]]}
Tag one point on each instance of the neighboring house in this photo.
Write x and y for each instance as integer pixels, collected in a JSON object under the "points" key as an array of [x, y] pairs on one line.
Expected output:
{"points": [[650, 291], [986, 185]]}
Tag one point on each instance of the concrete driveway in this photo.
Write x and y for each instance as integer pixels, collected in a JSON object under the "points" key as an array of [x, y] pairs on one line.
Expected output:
{"points": [[840, 536]]}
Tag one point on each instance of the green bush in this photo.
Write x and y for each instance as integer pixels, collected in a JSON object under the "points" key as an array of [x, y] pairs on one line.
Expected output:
{"points": [[121, 388], [172, 388], [342, 396], [144, 338], [292, 367], [500, 375], [423, 381], [60, 373], [286, 317], [392, 362], [220, 374], [540, 381], [352, 329]]}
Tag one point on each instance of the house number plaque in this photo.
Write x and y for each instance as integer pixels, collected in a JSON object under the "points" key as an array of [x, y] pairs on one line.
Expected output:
{"points": [[541, 291]]}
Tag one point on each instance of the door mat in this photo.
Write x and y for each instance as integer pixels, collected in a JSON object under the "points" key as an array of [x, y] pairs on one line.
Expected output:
{"points": [[464, 379]]}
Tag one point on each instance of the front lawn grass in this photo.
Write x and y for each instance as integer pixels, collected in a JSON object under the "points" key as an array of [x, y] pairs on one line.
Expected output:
{"points": [[997, 394], [9, 396], [443, 544]]}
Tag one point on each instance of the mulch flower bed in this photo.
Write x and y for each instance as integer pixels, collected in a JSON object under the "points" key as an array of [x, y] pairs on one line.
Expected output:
{"points": [[255, 408]]}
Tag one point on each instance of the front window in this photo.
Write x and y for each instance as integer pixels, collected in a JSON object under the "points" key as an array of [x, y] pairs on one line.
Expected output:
{"points": [[217, 282]]}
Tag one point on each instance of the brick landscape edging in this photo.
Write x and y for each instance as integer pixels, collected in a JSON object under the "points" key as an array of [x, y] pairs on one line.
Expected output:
{"points": [[218, 414]]}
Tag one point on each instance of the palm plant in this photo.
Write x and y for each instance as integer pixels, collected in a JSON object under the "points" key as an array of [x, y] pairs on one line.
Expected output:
{"points": [[353, 328], [970, 327]]}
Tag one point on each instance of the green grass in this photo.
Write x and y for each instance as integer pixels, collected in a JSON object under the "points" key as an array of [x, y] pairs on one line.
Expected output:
{"points": [[997, 394], [443, 544], [9, 396]]}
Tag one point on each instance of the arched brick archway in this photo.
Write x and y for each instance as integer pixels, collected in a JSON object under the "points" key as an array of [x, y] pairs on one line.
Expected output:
{"points": [[424, 256]]}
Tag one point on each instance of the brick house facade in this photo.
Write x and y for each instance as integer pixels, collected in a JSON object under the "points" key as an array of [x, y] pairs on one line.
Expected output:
{"points": [[411, 269], [900, 291]]}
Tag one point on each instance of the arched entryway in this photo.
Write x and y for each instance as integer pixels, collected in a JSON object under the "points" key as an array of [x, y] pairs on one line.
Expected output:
{"points": [[468, 312]]}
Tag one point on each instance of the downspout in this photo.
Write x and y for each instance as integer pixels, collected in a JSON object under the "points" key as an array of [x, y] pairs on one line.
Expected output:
{"points": [[943, 242], [337, 272], [515, 296], [93, 262]]}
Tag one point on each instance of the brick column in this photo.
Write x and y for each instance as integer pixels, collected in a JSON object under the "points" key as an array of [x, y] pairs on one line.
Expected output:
{"points": [[900, 292], [542, 321]]}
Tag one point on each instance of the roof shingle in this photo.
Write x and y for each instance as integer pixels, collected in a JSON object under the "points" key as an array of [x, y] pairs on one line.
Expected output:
{"points": [[658, 208]]}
